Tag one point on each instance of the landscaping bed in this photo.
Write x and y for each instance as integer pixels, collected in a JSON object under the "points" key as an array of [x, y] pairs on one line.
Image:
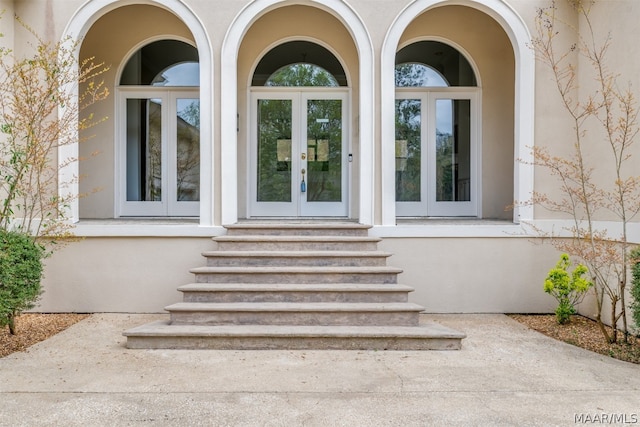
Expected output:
{"points": [[33, 328], [582, 332]]}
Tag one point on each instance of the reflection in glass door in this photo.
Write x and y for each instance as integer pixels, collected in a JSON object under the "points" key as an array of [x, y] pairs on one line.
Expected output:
{"points": [[274, 150], [324, 158], [187, 155], [452, 176], [298, 154], [410, 188]]}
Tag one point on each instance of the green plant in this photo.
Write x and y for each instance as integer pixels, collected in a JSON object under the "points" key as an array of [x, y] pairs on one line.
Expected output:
{"points": [[20, 275], [568, 289], [635, 286]]}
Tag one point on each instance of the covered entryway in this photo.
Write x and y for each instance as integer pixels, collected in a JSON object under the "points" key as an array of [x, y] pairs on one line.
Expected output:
{"points": [[299, 125]]}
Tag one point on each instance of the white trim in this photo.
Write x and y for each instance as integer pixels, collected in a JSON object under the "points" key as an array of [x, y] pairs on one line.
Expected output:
{"points": [[229, 92], [78, 26], [111, 229], [519, 36], [457, 229], [562, 228]]}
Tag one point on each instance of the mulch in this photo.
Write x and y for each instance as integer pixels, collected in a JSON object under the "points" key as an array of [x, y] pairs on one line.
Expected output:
{"points": [[32, 328], [582, 332]]}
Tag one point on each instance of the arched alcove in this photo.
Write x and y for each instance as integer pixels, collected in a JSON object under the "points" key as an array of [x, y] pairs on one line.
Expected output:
{"points": [[181, 19], [516, 36], [235, 72]]}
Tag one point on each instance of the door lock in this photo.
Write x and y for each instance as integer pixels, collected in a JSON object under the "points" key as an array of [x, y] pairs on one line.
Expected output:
{"points": [[303, 156]]}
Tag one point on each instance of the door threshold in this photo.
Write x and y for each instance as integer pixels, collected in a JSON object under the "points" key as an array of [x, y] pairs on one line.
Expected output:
{"points": [[297, 220]]}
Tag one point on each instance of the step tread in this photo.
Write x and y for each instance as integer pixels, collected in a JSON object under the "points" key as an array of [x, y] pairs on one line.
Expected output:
{"points": [[294, 307], [295, 269], [298, 225], [165, 328], [294, 287], [295, 238], [297, 254]]}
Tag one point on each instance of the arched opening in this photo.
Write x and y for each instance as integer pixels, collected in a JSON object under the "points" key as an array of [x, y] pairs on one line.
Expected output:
{"points": [[503, 64], [138, 23], [262, 25]]}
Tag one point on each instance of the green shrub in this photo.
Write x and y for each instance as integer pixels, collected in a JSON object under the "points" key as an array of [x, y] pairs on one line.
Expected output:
{"points": [[20, 275], [635, 286], [567, 289]]}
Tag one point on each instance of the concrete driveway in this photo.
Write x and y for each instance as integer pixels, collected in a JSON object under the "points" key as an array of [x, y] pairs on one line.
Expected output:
{"points": [[505, 375]]}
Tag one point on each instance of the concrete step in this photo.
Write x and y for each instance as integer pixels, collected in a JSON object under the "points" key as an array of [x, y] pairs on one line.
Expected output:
{"points": [[296, 243], [295, 285], [294, 292], [300, 228], [304, 314], [295, 258], [288, 274], [162, 335]]}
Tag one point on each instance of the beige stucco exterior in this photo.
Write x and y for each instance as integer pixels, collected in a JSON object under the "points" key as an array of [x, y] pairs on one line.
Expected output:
{"points": [[486, 265]]}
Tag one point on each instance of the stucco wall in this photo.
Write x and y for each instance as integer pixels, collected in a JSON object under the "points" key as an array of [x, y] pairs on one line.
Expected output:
{"points": [[120, 274], [460, 275], [466, 275]]}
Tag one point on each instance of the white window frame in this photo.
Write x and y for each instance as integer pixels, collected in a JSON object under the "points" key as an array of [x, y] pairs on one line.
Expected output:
{"points": [[168, 206], [428, 206]]}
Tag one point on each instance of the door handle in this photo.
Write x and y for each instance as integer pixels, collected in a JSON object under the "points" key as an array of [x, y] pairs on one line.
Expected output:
{"points": [[303, 185]]}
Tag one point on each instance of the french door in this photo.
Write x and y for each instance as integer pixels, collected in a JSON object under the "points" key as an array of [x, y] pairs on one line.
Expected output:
{"points": [[159, 157], [436, 153], [298, 160]]}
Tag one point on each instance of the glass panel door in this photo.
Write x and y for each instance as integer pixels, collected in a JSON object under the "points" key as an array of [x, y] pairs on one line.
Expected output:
{"points": [[298, 162], [411, 195], [185, 155], [274, 150], [144, 156], [324, 160], [274, 154], [454, 166]]}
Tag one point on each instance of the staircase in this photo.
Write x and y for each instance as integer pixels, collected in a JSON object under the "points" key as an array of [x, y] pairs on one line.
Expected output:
{"points": [[295, 286]]}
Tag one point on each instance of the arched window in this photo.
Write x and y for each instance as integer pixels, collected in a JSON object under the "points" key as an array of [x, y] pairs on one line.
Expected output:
{"points": [[418, 75], [436, 132], [160, 116], [302, 74]]}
